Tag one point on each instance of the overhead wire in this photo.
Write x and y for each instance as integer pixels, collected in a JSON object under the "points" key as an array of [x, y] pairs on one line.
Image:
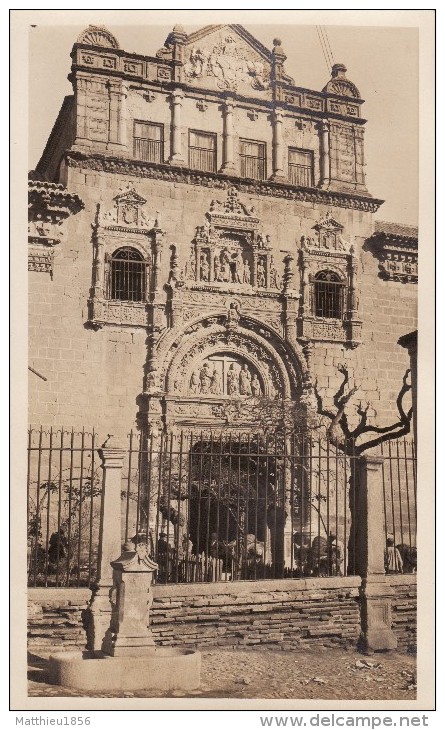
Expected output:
{"points": [[328, 45], [323, 47]]}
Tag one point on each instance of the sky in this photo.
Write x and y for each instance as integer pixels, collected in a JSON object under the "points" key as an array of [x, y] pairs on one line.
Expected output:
{"points": [[381, 61]]}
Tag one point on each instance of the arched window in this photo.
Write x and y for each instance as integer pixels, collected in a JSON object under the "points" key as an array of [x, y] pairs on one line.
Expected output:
{"points": [[128, 275], [328, 295]]}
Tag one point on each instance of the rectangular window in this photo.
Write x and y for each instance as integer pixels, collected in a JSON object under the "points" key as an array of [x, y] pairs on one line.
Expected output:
{"points": [[149, 141], [253, 159], [202, 151], [301, 167]]}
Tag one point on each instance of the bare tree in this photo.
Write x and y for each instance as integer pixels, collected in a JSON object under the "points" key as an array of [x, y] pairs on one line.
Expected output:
{"points": [[342, 435]]}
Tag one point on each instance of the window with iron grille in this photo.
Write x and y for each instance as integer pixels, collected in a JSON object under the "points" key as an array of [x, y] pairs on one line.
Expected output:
{"points": [[328, 295], [253, 159], [202, 150], [128, 275], [301, 167], [148, 141]]}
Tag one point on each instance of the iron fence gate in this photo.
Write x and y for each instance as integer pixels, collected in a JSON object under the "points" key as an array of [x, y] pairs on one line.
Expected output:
{"points": [[222, 507]]}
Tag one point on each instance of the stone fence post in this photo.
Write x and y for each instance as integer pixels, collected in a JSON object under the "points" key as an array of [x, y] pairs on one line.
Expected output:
{"points": [[375, 592], [98, 613]]}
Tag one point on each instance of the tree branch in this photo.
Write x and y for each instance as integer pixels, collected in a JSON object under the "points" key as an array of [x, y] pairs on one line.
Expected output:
{"points": [[321, 410]]}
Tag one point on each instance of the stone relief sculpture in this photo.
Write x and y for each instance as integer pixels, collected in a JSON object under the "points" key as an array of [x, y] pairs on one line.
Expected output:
{"points": [[230, 63], [261, 274], [194, 383], [274, 276], [204, 268], [256, 386], [232, 316], [215, 384], [205, 378], [246, 273], [232, 381], [221, 374], [245, 379]]}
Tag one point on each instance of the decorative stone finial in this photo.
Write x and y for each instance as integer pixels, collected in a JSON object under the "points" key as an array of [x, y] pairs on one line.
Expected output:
{"points": [[338, 71], [97, 35], [339, 84], [278, 48]]}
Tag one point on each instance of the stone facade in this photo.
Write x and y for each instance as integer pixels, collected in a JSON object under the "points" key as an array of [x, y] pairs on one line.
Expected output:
{"points": [[236, 197]]}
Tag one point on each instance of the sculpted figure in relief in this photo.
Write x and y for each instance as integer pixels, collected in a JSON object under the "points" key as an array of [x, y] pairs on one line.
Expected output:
{"points": [[196, 64], [232, 381], [194, 383], [239, 268], [274, 278], [246, 273], [225, 267], [205, 269], [261, 275], [215, 384], [256, 386], [217, 269], [205, 378], [245, 380]]}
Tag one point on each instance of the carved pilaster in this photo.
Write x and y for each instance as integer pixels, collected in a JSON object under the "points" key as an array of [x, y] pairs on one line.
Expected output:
{"points": [[228, 166], [177, 156], [325, 173], [118, 115], [277, 146]]}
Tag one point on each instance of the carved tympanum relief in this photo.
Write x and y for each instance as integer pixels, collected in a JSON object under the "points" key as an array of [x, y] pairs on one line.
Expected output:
{"points": [[229, 61], [225, 374]]}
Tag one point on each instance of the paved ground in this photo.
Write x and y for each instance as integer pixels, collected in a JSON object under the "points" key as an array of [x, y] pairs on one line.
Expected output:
{"points": [[311, 674]]}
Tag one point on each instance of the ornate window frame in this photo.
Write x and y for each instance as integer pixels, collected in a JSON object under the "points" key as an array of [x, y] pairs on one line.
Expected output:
{"points": [[124, 226], [328, 251]]}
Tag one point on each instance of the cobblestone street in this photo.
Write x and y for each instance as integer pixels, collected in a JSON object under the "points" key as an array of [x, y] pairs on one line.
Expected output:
{"points": [[318, 674]]}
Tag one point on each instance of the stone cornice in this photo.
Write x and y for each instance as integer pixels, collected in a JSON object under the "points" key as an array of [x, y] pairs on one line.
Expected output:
{"points": [[52, 195], [137, 168]]}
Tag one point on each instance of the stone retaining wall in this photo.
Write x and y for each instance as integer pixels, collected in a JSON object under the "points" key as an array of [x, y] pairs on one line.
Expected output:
{"points": [[278, 614], [404, 611], [55, 618]]}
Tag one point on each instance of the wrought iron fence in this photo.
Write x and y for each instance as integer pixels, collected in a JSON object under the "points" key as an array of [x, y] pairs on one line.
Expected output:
{"points": [[213, 507], [399, 484], [64, 497], [240, 507]]}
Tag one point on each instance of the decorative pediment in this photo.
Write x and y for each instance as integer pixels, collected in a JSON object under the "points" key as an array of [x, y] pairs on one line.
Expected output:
{"points": [[228, 58], [127, 213], [229, 249], [327, 235], [231, 213]]}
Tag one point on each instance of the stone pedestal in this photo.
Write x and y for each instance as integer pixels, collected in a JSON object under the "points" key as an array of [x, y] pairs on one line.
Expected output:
{"points": [[98, 614], [377, 634], [128, 634]]}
